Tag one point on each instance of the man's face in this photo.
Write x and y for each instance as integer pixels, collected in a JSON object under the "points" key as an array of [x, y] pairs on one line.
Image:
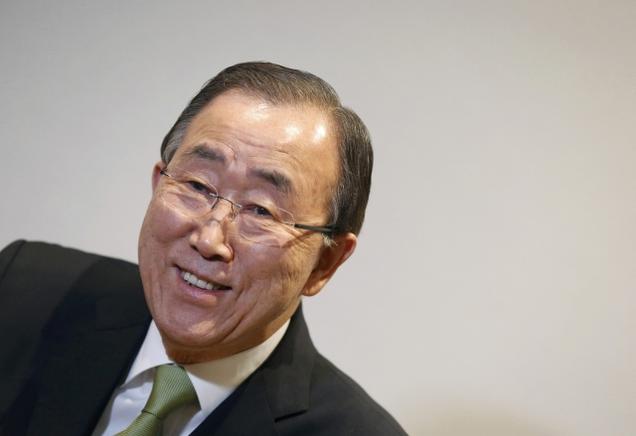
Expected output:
{"points": [[246, 148]]}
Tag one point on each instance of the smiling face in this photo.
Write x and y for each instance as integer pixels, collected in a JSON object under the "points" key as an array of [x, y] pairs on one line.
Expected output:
{"points": [[212, 292]]}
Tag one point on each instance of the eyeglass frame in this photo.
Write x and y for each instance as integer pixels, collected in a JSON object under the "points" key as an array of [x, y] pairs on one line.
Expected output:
{"points": [[327, 230]]}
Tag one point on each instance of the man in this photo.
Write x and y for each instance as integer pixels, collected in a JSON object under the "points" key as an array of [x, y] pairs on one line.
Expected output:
{"points": [[257, 201]]}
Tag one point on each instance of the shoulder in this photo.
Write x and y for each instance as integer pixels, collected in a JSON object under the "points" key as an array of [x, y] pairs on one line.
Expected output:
{"points": [[338, 399], [37, 279], [36, 276], [33, 264], [332, 402]]}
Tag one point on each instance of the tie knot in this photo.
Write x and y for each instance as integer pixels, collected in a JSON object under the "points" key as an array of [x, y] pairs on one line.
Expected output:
{"points": [[171, 389]]}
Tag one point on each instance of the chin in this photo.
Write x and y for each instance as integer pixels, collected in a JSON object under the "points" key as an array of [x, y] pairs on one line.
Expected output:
{"points": [[188, 334], [186, 357], [186, 346]]}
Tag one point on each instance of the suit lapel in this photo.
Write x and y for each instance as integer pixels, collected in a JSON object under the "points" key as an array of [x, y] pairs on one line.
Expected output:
{"points": [[91, 342], [245, 412], [279, 388]]}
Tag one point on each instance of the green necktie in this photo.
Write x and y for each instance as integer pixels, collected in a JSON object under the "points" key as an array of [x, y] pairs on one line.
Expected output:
{"points": [[171, 389]]}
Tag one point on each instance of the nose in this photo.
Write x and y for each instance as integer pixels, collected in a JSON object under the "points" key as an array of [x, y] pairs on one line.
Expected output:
{"points": [[210, 239]]}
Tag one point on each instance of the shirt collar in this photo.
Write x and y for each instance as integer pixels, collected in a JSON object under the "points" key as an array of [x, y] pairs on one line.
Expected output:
{"points": [[213, 381]]}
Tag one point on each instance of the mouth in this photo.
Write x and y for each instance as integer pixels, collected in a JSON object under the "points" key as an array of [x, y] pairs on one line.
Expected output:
{"points": [[197, 282]]}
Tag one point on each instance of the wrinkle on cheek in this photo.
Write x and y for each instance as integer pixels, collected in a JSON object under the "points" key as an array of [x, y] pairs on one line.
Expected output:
{"points": [[165, 225], [273, 276]]}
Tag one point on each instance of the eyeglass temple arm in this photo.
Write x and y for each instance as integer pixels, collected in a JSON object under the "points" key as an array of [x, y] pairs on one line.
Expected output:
{"points": [[328, 230]]}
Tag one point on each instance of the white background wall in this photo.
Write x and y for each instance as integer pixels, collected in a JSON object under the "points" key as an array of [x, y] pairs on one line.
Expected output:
{"points": [[493, 292]]}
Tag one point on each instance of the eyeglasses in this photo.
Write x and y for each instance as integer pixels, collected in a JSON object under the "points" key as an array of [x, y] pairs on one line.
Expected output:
{"points": [[263, 224]]}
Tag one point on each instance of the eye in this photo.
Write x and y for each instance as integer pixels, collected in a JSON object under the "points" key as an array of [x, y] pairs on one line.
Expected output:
{"points": [[201, 187], [257, 211]]}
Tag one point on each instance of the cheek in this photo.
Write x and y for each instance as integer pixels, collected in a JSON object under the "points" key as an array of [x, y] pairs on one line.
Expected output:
{"points": [[280, 271], [161, 225], [160, 229]]}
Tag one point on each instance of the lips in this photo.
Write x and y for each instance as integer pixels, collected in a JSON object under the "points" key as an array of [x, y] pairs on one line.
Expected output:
{"points": [[194, 280]]}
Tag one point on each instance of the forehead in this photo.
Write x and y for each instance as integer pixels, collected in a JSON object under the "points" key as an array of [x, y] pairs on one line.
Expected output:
{"points": [[293, 144]]}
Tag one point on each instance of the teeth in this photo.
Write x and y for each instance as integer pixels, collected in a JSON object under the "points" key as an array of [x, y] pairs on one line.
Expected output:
{"points": [[195, 281]]}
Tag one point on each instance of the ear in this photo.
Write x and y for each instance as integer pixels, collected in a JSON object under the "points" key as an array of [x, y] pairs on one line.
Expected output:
{"points": [[329, 260], [156, 174]]}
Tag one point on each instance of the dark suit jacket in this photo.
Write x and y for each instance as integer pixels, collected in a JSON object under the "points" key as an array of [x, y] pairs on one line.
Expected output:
{"points": [[71, 324]]}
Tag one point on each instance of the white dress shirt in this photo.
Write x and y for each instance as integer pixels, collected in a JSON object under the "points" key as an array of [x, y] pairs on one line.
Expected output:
{"points": [[213, 382]]}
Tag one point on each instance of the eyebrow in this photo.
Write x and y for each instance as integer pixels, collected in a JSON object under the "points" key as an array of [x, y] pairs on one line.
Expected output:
{"points": [[205, 152], [277, 179]]}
